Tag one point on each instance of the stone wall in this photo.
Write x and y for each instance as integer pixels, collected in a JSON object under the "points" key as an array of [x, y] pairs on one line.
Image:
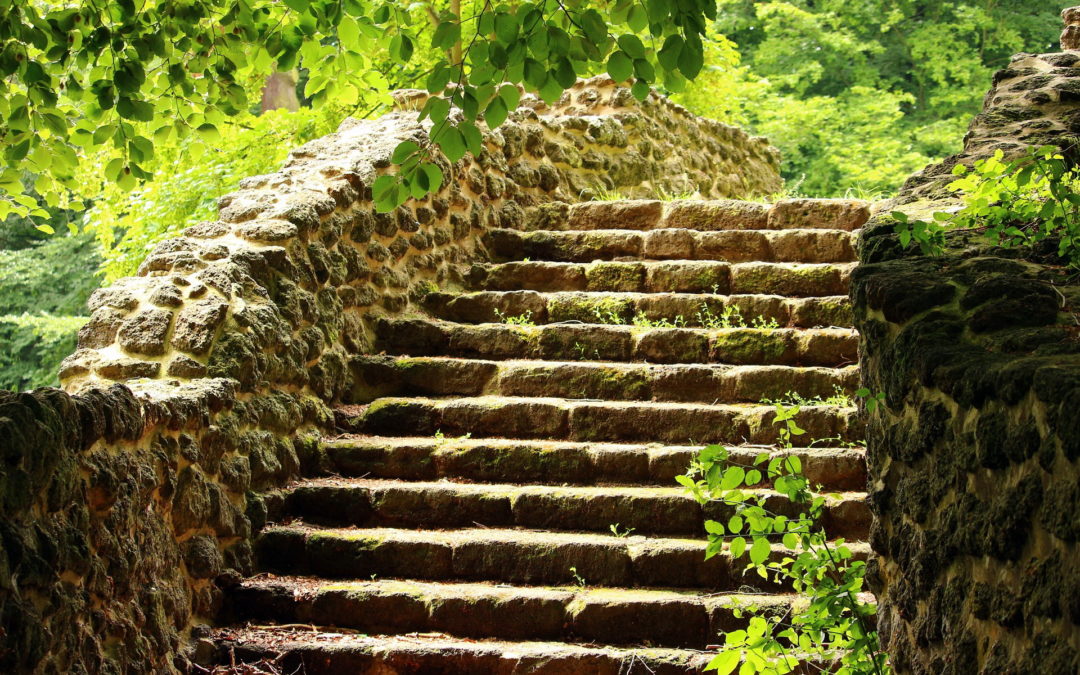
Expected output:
{"points": [[974, 461], [127, 500]]}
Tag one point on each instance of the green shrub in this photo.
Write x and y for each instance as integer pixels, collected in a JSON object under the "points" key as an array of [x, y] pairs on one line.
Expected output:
{"points": [[54, 276], [33, 347]]}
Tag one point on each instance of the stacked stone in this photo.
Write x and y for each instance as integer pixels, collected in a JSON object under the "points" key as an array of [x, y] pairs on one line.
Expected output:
{"points": [[1034, 101], [122, 504], [1070, 36]]}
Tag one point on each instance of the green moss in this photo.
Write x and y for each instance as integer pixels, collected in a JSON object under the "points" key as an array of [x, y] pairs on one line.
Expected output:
{"points": [[587, 309], [615, 276], [749, 346]]}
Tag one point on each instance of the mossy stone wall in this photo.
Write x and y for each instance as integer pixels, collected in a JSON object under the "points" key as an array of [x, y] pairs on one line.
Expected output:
{"points": [[127, 502]]}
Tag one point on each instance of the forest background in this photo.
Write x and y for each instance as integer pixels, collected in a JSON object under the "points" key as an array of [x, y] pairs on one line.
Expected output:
{"points": [[857, 94]]}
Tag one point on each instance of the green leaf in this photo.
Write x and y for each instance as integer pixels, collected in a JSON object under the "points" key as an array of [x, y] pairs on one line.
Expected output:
{"points": [[640, 90], [644, 70], [632, 45], [637, 19], [46, 228], [474, 140], [495, 114], [620, 66], [668, 56], [446, 35], [133, 109], [433, 176], [510, 96], [691, 60], [564, 74], [759, 550], [452, 143], [383, 187], [737, 547], [733, 478], [725, 662], [403, 151], [506, 27], [348, 31]]}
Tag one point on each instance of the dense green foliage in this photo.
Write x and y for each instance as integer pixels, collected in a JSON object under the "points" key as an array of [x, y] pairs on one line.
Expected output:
{"points": [[860, 93], [831, 628], [34, 346], [54, 275], [189, 178], [1021, 202], [80, 76], [43, 291]]}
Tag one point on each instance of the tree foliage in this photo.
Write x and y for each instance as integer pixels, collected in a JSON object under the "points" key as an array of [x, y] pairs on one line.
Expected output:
{"points": [[79, 76], [861, 93]]}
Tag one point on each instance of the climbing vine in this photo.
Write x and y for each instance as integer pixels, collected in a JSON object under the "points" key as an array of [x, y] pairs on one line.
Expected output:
{"points": [[831, 628], [1013, 203]]}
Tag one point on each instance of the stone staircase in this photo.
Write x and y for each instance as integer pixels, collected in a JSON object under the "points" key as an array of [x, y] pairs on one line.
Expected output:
{"points": [[504, 500]]}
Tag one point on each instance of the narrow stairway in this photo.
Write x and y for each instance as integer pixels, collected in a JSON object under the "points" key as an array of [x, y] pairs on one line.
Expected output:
{"points": [[505, 499]]}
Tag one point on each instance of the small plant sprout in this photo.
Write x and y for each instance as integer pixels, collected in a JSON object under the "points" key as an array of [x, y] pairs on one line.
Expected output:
{"points": [[519, 320], [788, 428], [578, 579], [872, 400], [621, 533]]}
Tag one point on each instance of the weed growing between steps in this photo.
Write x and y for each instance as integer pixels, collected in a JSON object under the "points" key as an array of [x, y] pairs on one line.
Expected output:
{"points": [[832, 629]]}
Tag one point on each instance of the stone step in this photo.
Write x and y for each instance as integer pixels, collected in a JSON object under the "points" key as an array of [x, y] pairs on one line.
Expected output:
{"points": [[607, 616], [644, 310], [579, 420], [561, 462], [676, 276], [796, 246], [511, 556], [381, 376], [366, 502], [324, 652], [705, 215], [738, 346]]}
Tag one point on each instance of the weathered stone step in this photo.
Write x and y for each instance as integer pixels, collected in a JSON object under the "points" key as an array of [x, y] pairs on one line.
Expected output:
{"points": [[380, 376], [500, 555], [605, 616], [641, 309], [562, 419], [561, 462], [797, 246], [507, 556], [705, 215], [329, 653], [676, 276], [739, 346], [365, 502]]}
